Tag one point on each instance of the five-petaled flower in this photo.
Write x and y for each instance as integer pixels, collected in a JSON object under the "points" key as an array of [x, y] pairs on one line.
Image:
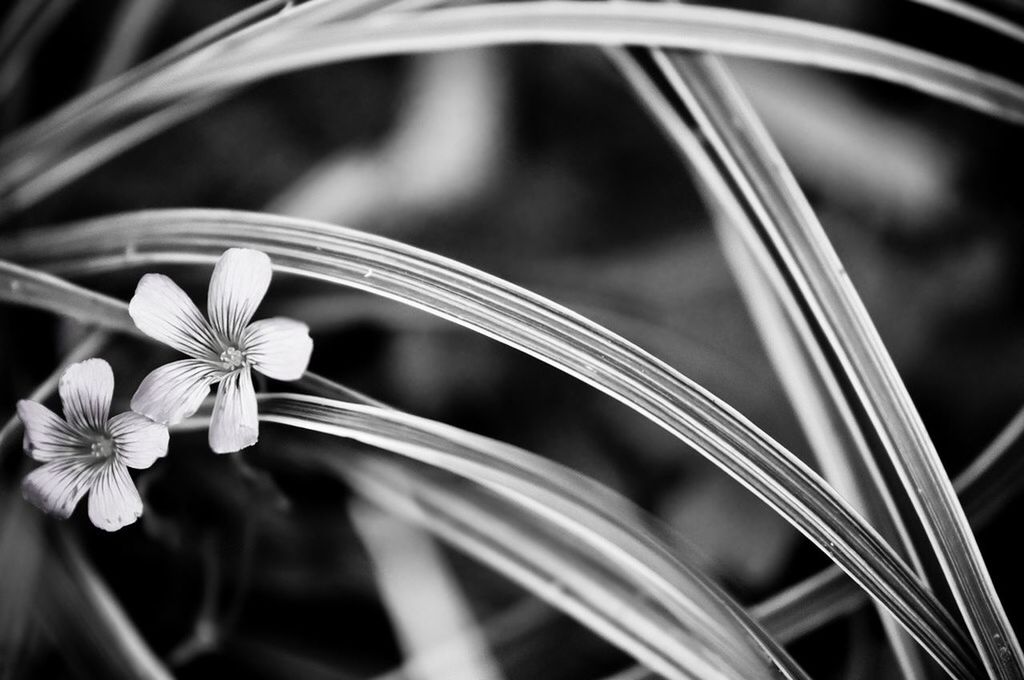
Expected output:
{"points": [[88, 452], [222, 350]]}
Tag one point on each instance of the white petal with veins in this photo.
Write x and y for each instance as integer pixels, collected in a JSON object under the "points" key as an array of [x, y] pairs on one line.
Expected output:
{"points": [[85, 390], [234, 424], [114, 501], [239, 282], [138, 441], [176, 390], [57, 486], [278, 348], [225, 349], [47, 436], [163, 311]]}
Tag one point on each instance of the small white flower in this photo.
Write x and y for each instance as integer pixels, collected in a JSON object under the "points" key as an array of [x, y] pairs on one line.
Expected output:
{"points": [[88, 452], [221, 350]]}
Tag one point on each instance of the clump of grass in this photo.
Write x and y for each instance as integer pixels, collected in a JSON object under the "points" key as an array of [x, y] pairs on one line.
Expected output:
{"points": [[883, 508]]}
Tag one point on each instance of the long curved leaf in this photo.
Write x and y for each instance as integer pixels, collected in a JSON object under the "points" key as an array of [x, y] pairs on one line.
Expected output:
{"points": [[244, 27], [529, 549], [788, 615], [546, 331], [693, 99], [593, 514], [55, 151], [977, 15], [31, 153], [777, 221], [985, 487], [691, 27], [681, 617]]}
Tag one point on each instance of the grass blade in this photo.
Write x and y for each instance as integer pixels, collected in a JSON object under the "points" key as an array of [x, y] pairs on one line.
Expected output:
{"points": [[985, 487], [681, 91], [60, 297], [995, 476], [58, 149], [816, 288], [37, 134], [486, 527], [228, 64], [512, 633], [546, 331], [603, 518], [528, 551], [130, 27], [572, 503], [425, 604], [788, 615], [25, 26], [247, 26], [977, 15], [839, 445], [692, 27], [43, 174], [117, 636]]}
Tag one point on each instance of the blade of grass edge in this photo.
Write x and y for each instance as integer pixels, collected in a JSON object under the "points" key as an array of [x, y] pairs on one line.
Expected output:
{"points": [[40, 162], [245, 26], [985, 486], [672, 582], [425, 603], [692, 27], [109, 614], [545, 331], [684, 27], [977, 15], [566, 499], [834, 434], [817, 599], [497, 534], [796, 242], [789, 614], [821, 598]]}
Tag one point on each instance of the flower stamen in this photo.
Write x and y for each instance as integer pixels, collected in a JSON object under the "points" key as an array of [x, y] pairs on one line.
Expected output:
{"points": [[232, 358], [102, 447]]}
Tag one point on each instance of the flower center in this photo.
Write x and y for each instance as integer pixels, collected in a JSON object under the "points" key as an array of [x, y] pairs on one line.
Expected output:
{"points": [[232, 358], [102, 447]]}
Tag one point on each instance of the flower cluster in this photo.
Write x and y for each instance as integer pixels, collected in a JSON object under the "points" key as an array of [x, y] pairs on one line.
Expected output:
{"points": [[87, 451]]}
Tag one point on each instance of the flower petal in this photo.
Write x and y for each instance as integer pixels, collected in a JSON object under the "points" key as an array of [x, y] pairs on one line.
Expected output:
{"points": [[163, 311], [176, 390], [85, 390], [138, 441], [239, 282], [114, 501], [234, 424], [57, 486], [47, 436], [278, 348]]}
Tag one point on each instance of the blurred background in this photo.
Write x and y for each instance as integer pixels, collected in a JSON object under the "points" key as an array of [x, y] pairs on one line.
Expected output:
{"points": [[536, 164]]}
